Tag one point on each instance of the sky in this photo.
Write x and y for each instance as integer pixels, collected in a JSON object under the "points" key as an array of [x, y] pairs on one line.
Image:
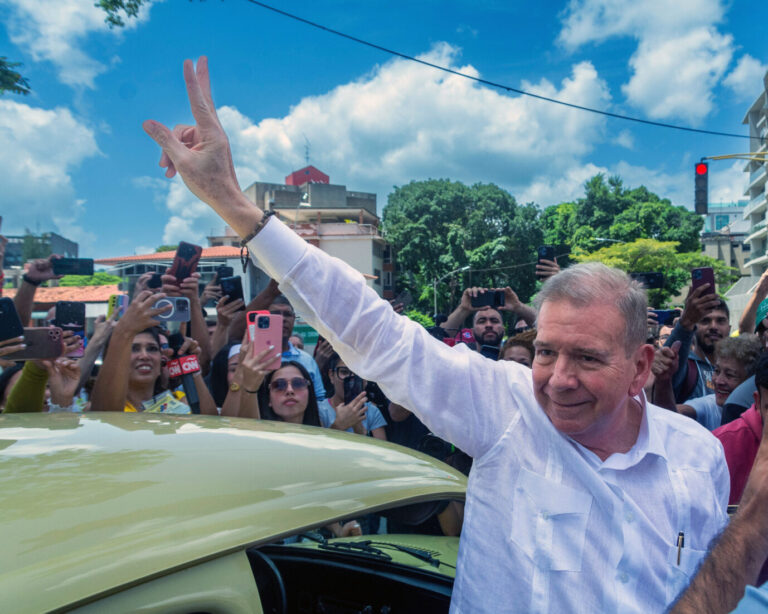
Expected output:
{"points": [[75, 160]]}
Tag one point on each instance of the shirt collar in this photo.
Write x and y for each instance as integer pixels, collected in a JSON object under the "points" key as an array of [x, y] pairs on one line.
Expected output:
{"points": [[648, 442]]}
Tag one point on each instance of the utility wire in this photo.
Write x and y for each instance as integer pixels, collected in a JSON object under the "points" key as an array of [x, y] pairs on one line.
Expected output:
{"points": [[501, 86]]}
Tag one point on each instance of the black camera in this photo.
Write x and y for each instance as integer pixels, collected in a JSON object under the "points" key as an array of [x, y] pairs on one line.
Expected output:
{"points": [[263, 322]]}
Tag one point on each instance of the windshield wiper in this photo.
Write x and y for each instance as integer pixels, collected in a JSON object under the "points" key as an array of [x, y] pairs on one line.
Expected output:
{"points": [[363, 548], [422, 555]]}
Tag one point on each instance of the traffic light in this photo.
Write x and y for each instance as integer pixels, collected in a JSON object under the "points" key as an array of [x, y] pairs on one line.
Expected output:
{"points": [[701, 189]]}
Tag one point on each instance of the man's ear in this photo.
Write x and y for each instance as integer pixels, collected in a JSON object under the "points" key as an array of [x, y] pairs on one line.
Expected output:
{"points": [[642, 361]]}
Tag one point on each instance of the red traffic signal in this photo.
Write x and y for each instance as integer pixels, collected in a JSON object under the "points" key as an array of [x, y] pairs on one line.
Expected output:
{"points": [[701, 188]]}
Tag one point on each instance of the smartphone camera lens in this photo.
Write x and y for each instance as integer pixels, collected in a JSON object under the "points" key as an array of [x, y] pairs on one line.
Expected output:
{"points": [[263, 322]]}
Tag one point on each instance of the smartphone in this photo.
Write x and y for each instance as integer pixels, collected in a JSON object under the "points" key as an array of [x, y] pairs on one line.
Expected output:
{"points": [[72, 266], [265, 329], [117, 303], [43, 343], [70, 315], [185, 261], [179, 309], [490, 298], [665, 317], [701, 276], [224, 271], [353, 386], [545, 252], [156, 281], [233, 288], [10, 323], [650, 281]]}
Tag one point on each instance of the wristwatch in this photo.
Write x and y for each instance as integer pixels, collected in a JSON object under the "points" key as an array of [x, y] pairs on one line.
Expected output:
{"points": [[234, 387]]}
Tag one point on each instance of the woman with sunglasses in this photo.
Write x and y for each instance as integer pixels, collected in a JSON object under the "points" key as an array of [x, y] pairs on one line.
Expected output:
{"points": [[287, 395]]}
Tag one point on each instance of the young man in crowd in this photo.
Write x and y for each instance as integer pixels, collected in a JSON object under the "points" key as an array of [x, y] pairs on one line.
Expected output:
{"points": [[579, 488], [705, 318], [487, 330]]}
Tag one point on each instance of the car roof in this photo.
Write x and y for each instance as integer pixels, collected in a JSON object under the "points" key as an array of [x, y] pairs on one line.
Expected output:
{"points": [[95, 501]]}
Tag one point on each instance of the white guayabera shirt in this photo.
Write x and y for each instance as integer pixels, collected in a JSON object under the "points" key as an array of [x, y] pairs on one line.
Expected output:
{"points": [[548, 527]]}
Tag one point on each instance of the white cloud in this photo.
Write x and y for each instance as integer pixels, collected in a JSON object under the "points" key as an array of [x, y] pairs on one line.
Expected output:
{"points": [[726, 183], [40, 148], [404, 121], [680, 55], [594, 21], [675, 77], [746, 79], [568, 186], [54, 31]]}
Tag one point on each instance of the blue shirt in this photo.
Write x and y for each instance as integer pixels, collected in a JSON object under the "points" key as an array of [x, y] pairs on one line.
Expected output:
{"points": [[306, 361]]}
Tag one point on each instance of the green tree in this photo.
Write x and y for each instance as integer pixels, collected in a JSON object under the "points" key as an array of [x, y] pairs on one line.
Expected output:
{"points": [[611, 211], [10, 80], [166, 248], [649, 255], [438, 225], [34, 246], [99, 278]]}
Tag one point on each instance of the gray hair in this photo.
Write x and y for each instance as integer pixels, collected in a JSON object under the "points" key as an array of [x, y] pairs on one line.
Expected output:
{"points": [[744, 349], [593, 282]]}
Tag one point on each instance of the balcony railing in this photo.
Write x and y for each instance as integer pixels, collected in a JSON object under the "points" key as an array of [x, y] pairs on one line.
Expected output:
{"points": [[753, 204]]}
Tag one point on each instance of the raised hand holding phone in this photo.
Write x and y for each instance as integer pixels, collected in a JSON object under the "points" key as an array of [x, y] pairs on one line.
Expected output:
{"points": [[265, 332]]}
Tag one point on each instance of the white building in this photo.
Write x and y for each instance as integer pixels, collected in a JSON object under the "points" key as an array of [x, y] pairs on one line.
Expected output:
{"points": [[756, 211]]}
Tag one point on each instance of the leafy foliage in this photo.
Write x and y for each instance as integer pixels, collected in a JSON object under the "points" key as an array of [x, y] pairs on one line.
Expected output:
{"points": [[10, 80], [438, 226], [649, 255], [166, 248], [609, 212], [419, 317], [97, 279], [34, 246], [114, 8]]}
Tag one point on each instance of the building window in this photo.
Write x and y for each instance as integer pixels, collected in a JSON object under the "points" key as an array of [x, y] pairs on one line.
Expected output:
{"points": [[377, 274], [387, 254], [721, 221], [378, 251], [387, 280]]}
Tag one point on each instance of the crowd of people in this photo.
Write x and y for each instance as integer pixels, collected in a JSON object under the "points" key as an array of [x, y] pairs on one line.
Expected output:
{"points": [[602, 449]]}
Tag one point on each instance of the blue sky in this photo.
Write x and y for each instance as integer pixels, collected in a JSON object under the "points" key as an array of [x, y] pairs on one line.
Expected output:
{"points": [[75, 160]]}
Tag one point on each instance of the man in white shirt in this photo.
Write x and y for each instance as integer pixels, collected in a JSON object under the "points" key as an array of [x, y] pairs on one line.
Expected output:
{"points": [[582, 496]]}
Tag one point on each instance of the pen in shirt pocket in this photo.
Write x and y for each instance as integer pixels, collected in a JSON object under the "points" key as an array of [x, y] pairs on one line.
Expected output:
{"points": [[680, 545]]}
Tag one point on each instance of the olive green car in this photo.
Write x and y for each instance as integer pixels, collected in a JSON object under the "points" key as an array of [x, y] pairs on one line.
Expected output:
{"points": [[151, 513]]}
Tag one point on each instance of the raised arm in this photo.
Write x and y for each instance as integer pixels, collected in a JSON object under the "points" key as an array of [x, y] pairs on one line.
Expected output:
{"points": [[374, 341], [747, 322], [111, 388], [38, 271]]}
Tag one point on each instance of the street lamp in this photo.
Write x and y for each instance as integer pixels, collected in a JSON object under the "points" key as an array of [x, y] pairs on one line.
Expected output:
{"points": [[437, 281]]}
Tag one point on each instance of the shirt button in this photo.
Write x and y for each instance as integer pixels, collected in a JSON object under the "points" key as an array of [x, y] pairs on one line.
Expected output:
{"points": [[624, 578], [629, 516], [544, 515]]}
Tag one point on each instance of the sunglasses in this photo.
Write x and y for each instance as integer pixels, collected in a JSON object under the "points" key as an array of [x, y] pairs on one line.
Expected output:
{"points": [[281, 384]]}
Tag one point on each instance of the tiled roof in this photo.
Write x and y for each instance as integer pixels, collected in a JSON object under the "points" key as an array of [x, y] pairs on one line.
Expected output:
{"points": [[220, 251], [84, 294]]}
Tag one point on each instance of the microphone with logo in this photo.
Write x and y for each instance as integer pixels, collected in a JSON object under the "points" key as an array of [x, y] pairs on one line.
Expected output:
{"points": [[184, 367]]}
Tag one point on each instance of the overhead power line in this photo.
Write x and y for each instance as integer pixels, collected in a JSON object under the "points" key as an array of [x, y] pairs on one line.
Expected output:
{"points": [[501, 86]]}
